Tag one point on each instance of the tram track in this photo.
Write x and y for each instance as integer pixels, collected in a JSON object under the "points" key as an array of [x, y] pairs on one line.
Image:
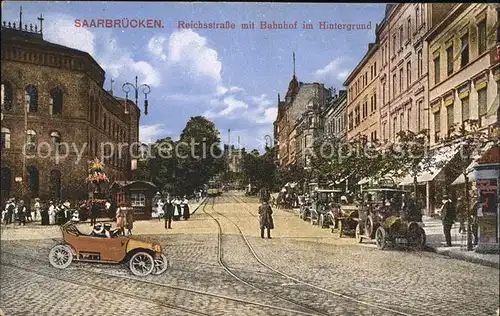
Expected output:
{"points": [[294, 279]]}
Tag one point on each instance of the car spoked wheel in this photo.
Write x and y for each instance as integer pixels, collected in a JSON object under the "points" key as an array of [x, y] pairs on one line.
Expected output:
{"points": [[161, 265], [141, 264], [359, 238], [60, 256], [380, 238]]}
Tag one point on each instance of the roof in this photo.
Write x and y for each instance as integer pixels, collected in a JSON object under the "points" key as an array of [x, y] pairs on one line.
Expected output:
{"points": [[363, 61]]}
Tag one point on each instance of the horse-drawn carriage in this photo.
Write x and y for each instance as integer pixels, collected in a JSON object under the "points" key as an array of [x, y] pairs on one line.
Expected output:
{"points": [[380, 219], [321, 209]]}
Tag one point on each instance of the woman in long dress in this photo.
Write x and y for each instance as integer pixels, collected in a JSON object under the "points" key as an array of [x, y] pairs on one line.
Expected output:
{"points": [[120, 218], [52, 213], [129, 224], [185, 208]]}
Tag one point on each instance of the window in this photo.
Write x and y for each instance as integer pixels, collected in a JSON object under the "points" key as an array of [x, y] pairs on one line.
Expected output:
{"points": [[417, 16], [419, 108], [375, 69], [137, 199], [394, 86], [33, 181], [105, 122], [31, 98], [401, 36], [465, 109], [374, 135], [401, 121], [436, 70], [350, 121], [371, 72], [383, 93], [408, 119], [375, 102], [30, 140], [449, 60], [450, 118], [419, 64], [371, 104], [384, 131], [311, 121], [357, 116], [408, 74], [481, 33], [7, 96], [464, 53], [409, 27], [5, 140], [56, 140], [437, 125], [481, 101], [400, 80], [365, 110], [56, 101], [394, 44], [383, 55], [394, 127]]}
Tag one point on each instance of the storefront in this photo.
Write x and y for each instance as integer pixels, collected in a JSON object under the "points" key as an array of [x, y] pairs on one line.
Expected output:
{"points": [[139, 194], [487, 175]]}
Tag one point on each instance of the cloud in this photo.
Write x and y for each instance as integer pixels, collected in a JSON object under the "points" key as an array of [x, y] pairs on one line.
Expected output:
{"points": [[150, 133], [189, 50], [335, 71], [62, 31]]}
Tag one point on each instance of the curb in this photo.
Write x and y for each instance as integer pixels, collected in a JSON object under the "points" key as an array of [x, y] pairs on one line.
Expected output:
{"points": [[201, 203], [460, 256]]}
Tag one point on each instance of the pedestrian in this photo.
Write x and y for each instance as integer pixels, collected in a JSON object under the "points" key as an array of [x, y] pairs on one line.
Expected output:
{"points": [[266, 219], [129, 222], [159, 209], [10, 211], [36, 209], [121, 218], [94, 210], [28, 211], [178, 210], [21, 213], [44, 215], [169, 213], [461, 214], [448, 216], [185, 208]]}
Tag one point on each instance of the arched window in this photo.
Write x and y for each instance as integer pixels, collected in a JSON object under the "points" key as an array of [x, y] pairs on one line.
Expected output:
{"points": [[6, 176], [55, 184], [55, 136], [30, 140], [31, 98], [56, 101], [5, 138], [7, 96], [105, 123], [33, 181]]}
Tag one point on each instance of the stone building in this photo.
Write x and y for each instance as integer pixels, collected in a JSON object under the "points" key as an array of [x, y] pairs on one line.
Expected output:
{"points": [[464, 69], [335, 116], [404, 67], [54, 106], [362, 97]]}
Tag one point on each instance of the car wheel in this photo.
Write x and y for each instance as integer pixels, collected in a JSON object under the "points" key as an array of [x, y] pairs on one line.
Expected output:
{"points": [[380, 238], [161, 265], [60, 256], [359, 237], [340, 228], [322, 221], [369, 226], [141, 264]]}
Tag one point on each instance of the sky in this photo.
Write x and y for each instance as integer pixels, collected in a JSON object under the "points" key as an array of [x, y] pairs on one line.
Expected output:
{"points": [[230, 76]]}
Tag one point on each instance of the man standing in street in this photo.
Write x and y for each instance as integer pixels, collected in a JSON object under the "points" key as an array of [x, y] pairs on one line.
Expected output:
{"points": [[266, 219], [448, 216], [169, 212]]}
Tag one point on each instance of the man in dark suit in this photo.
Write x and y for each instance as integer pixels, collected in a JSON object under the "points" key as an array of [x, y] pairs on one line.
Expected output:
{"points": [[266, 219], [169, 212], [448, 216]]}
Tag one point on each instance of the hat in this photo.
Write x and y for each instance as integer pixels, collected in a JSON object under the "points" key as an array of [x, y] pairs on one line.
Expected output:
{"points": [[51, 202]]}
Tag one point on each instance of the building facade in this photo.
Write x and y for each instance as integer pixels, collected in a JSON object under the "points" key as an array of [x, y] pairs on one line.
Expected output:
{"points": [[362, 97], [335, 116], [56, 116], [464, 69]]}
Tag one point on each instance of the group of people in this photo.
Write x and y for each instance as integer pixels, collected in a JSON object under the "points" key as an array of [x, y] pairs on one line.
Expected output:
{"points": [[172, 209], [22, 212]]}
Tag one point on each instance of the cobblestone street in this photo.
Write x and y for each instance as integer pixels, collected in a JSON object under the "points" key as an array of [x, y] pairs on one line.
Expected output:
{"points": [[302, 270]]}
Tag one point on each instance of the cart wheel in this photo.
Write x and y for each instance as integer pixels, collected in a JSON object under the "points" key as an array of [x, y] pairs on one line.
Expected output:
{"points": [[60, 256], [380, 238], [322, 221], [369, 226], [340, 228], [141, 264], [359, 236], [161, 265]]}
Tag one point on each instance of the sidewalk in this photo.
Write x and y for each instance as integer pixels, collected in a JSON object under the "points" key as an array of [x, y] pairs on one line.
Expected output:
{"points": [[435, 241]]}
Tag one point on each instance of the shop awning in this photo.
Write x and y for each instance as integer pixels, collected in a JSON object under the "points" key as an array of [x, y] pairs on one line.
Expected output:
{"points": [[470, 169], [441, 157]]}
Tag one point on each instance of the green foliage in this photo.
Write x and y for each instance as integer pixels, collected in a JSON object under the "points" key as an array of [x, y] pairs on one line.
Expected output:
{"points": [[259, 170]]}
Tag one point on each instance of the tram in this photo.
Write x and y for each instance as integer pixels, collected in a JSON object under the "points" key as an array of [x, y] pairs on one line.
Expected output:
{"points": [[214, 188]]}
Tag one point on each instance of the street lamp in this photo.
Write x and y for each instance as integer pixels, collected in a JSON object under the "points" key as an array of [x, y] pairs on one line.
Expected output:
{"points": [[146, 89]]}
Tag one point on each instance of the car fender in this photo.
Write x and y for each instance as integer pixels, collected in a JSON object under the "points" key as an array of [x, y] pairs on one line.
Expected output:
{"points": [[133, 244]]}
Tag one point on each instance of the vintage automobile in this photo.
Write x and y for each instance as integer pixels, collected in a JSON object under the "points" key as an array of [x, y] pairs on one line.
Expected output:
{"points": [[396, 230], [327, 202], [378, 204], [142, 258], [345, 219]]}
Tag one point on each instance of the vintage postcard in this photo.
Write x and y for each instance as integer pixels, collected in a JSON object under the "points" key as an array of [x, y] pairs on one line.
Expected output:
{"points": [[191, 158]]}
